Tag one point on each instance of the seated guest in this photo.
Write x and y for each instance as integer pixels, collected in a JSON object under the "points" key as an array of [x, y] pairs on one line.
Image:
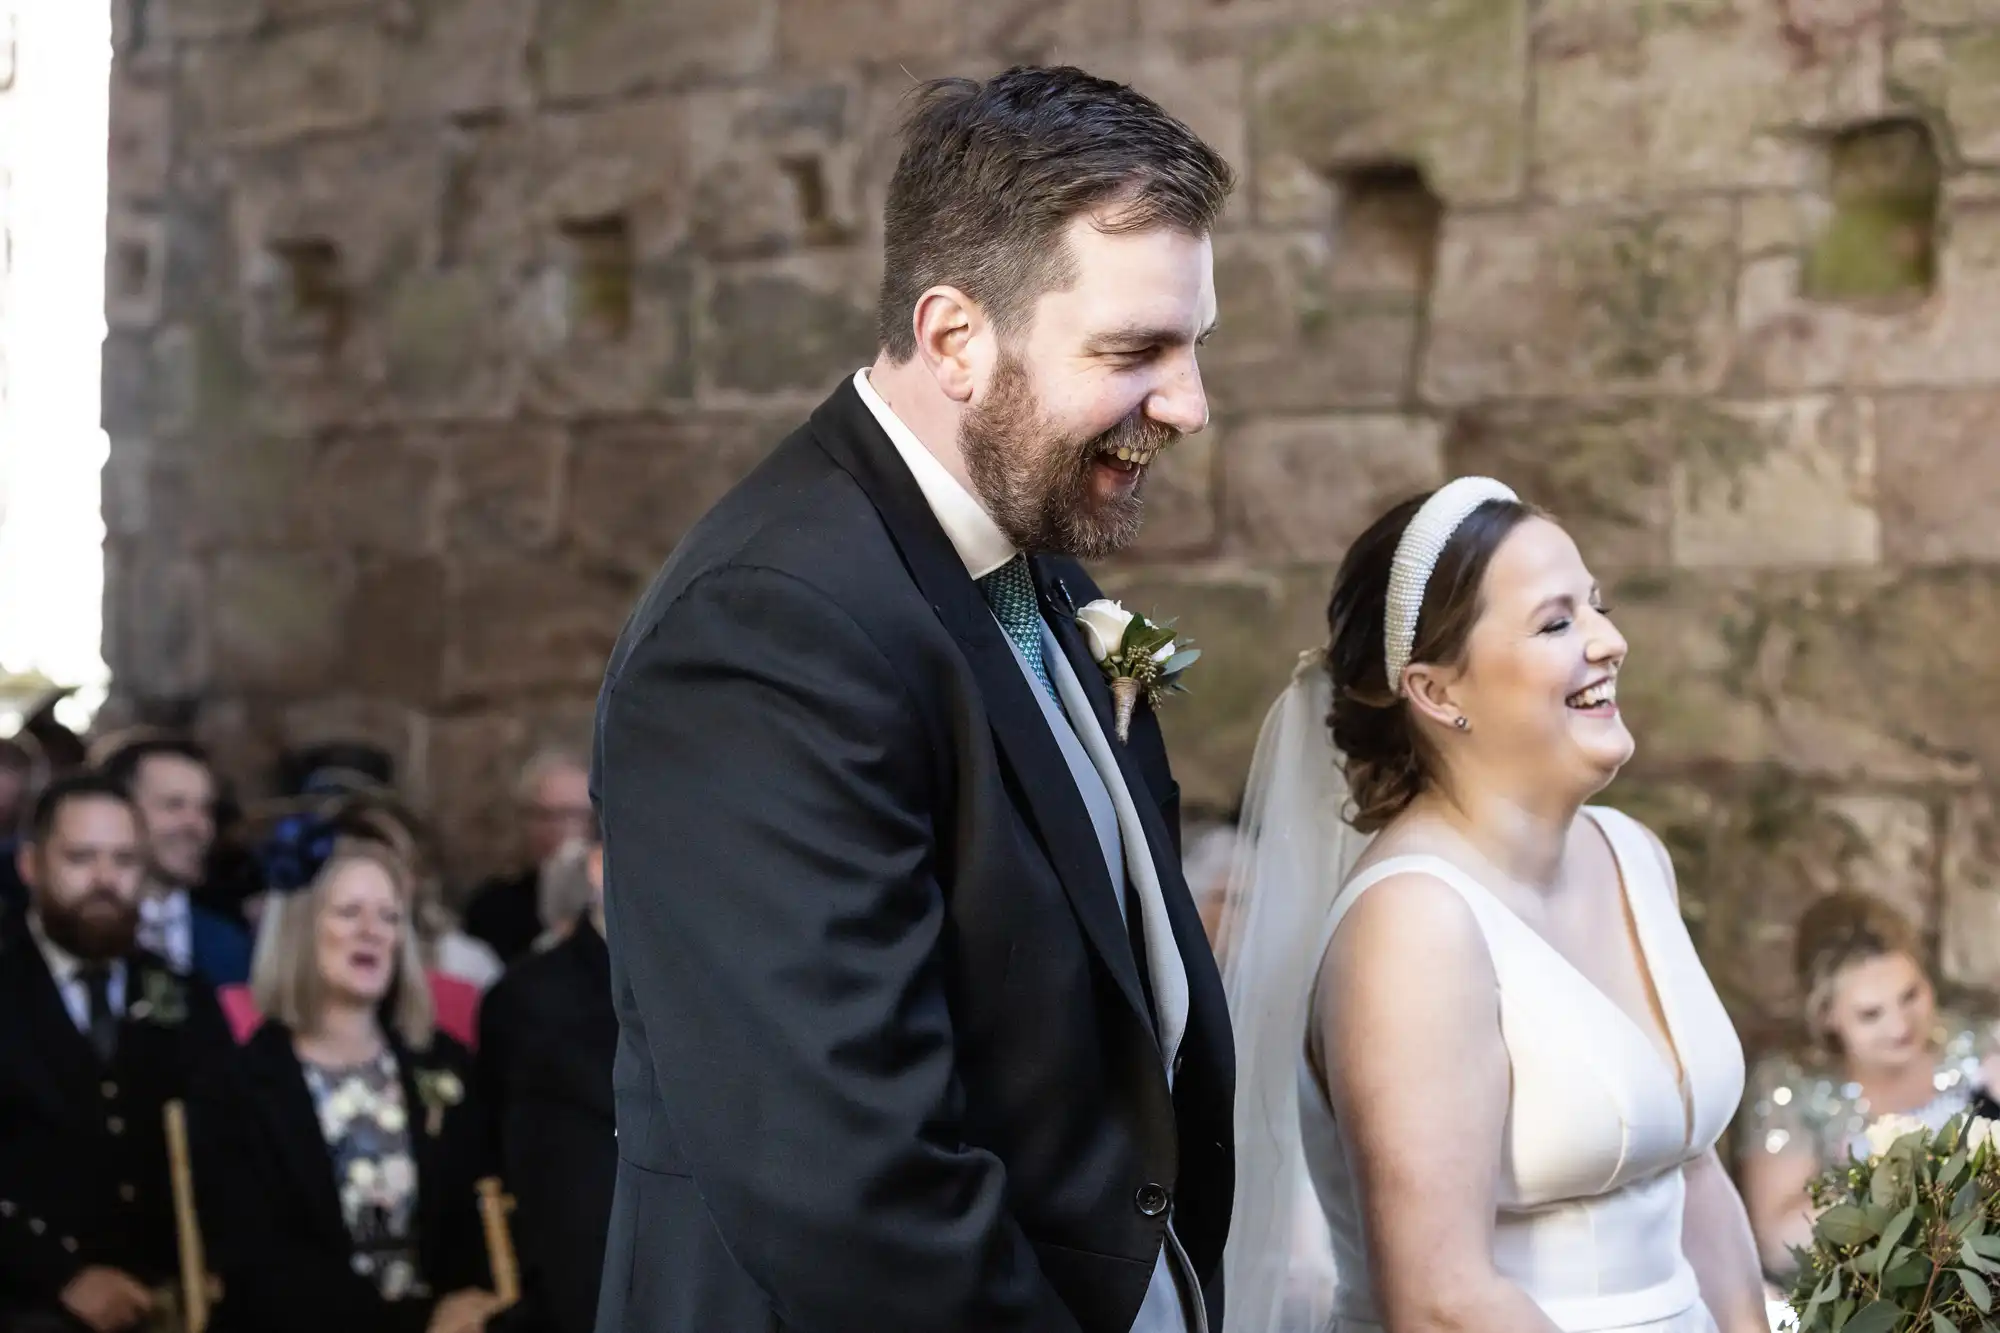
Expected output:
{"points": [[169, 779], [553, 800], [1879, 1047], [547, 1038], [349, 1142], [96, 1036], [444, 947]]}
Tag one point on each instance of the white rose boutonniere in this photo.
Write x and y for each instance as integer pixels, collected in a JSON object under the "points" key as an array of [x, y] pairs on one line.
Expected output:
{"points": [[439, 1089], [1139, 657]]}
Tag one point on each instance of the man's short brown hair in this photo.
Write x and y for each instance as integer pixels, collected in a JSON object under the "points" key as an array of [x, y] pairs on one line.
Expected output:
{"points": [[992, 173]]}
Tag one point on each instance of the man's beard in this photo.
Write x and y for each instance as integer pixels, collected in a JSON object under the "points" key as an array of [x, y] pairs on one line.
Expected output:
{"points": [[97, 927], [1040, 488]]}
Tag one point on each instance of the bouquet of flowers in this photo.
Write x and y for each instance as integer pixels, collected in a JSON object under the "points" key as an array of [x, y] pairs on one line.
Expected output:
{"points": [[1908, 1240]]}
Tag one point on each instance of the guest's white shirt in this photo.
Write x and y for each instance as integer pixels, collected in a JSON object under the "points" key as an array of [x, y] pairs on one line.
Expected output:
{"points": [[67, 970], [973, 533], [166, 927]]}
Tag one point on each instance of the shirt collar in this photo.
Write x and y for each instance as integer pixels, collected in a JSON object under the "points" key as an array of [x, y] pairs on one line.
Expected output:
{"points": [[973, 533]]}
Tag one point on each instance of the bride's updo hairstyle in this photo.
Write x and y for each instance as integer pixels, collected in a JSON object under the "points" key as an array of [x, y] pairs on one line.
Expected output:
{"points": [[1389, 762]]}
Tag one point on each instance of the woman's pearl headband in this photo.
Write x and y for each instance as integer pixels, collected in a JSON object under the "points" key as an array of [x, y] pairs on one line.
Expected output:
{"points": [[1417, 555]]}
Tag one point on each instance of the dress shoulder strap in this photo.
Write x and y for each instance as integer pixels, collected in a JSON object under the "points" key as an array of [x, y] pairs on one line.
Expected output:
{"points": [[1477, 896], [1632, 848]]}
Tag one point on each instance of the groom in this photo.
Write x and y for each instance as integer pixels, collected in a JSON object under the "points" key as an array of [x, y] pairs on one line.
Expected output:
{"points": [[918, 1029]]}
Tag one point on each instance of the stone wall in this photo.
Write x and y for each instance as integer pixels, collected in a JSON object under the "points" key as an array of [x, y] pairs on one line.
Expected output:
{"points": [[435, 322]]}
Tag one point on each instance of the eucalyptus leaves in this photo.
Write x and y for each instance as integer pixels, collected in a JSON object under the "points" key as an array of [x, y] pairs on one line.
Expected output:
{"points": [[1909, 1240], [1136, 655]]}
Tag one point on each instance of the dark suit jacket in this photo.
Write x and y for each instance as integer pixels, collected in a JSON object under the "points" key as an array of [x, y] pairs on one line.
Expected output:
{"points": [[83, 1156], [547, 1035], [281, 1245], [884, 1059], [506, 913]]}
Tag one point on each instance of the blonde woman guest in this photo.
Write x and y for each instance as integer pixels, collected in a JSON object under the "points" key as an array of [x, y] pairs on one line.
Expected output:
{"points": [[350, 1134], [1880, 1047]]}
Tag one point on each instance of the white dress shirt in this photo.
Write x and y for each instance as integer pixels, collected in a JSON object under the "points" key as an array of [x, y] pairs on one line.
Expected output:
{"points": [[973, 533], [166, 927]]}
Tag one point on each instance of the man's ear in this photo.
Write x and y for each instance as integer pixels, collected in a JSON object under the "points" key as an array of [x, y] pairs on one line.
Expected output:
{"points": [[948, 325]]}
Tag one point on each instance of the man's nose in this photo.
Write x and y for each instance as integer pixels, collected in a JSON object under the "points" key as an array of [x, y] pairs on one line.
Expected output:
{"points": [[1180, 401]]}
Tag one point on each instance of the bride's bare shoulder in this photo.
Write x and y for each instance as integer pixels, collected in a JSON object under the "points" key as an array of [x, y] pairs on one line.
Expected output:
{"points": [[1412, 916]]}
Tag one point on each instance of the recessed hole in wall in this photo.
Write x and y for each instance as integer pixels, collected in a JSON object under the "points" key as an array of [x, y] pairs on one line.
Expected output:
{"points": [[1878, 247], [598, 274], [133, 266], [312, 294], [808, 177], [1386, 231]]}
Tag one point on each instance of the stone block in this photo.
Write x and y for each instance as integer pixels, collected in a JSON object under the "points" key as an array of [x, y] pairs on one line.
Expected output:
{"points": [[1949, 13], [1181, 499], [462, 58], [373, 198], [1788, 344], [1442, 84], [286, 84], [1939, 477], [527, 625], [402, 732], [394, 637], [1969, 915], [776, 168], [1639, 99], [447, 348], [505, 487], [1562, 303], [1036, 32], [822, 34], [376, 490], [1300, 490], [1783, 484], [255, 492], [604, 48], [636, 487], [1776, 847], [1778, 223], [1602, 471], [1956, 77], [794, 326], [279, 621], [1288, 341], [155, 621], [1250, 627], [142, 136]]}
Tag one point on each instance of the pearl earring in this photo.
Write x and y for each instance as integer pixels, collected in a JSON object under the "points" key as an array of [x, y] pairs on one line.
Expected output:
{"points": [[1462, 722]]}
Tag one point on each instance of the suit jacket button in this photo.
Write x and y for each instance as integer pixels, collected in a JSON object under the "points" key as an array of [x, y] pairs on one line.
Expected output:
{"points": [[69, 1243], [109, 1089], [127, 1192], [1152, 1200], [36, 1226], [116, 1124]]}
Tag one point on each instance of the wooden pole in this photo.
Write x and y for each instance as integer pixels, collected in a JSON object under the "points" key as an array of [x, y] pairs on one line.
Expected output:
{"points": [[493, 1209], [187, 1223]]}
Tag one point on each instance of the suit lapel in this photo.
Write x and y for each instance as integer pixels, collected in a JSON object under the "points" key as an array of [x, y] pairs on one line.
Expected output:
{"points": [[855, 440], [423, 1151], [69, 1068], [294, 1122]]}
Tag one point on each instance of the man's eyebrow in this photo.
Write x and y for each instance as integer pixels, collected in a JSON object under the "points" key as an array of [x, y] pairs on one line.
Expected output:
{"points": [[1145, 335]]}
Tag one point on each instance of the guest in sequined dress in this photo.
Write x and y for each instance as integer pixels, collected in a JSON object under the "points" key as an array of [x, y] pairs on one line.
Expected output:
{"points": [[1878, 1046]]}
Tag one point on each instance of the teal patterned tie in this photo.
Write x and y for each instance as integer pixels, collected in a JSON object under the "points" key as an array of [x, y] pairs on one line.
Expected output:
{"points": [[1010, 591]]}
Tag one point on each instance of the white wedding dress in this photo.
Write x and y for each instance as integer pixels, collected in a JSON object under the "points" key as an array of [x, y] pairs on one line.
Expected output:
{"points": [[1599, 1122]]}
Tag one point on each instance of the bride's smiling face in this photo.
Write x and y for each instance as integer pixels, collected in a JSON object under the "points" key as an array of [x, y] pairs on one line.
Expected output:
{"points": [[1538, 684]]}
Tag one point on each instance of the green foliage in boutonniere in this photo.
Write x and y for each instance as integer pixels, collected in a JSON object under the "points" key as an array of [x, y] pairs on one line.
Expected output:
{"points": [[440, 1090], [1139, 657], [162, 999]]}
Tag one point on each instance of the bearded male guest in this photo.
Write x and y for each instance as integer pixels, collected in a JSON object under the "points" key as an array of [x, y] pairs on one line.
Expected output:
{"points": [[96, 1036], [918, 1029]]}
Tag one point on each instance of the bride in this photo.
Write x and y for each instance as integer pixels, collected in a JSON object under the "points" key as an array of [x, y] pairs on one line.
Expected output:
{"points": [[1482, 1071]]}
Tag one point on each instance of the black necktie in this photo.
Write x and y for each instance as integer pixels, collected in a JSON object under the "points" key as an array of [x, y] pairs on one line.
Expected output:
{"points": [[103, 1023]]}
